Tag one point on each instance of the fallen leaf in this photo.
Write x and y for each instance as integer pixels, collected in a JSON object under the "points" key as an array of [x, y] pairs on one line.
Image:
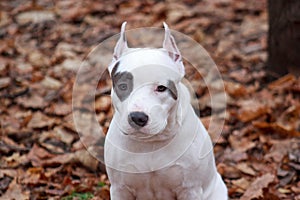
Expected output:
{"points": [[35, 17], [51, 83], [235, 89], [60, 159], [4, 183], [60, 109], [71, 64], [241, 144], [251, 109], [39, 120], [64, 135], [85, 158], [103, 104], [35, 101], [229, 171], [37, 155], [4, 82], [246, 169], [255, 190], [38, 59], [283, 82], [15, 191], [241, 183], [33, 176], [278, 150]]}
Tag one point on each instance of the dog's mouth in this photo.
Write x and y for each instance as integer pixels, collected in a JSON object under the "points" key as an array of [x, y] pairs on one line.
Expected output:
{"points": [[143, 135]]}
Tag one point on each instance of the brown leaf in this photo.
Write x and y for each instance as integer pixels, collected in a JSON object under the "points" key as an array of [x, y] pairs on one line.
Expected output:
{"points": [[103, 104], [14, 160], [241, 144], [60, 109], [34, 101], [241, 183], [256, 188], [4, 183], [246, 169], [34, 17], [37, 155], [15, 191], [64, 135], [228, 171], [4, 82], [235, 89], [283, 82], [278, 150], [59, 160], [51, 83], [33, 176], [39, 120], [251, 109], [85, 158], [286, 129], [38, 59]]}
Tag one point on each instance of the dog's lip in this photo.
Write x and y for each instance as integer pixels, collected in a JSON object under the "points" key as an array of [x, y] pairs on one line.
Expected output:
{"points": [[138, 135]]}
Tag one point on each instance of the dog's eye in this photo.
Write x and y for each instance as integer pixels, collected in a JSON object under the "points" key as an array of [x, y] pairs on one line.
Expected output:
{"points": [[161, 88], [122, 86]]}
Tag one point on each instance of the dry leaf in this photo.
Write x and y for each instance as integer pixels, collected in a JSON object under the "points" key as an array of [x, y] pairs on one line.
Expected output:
{"points": [[241, 144], [103, 104], [37, 155], [235, 89], [35, 101], [256, 188], [60, 109], [246, 169], [39, 120], [15, 191], [51, 83], [4, 82], [283, 82], [35, 17], [241, 183], [251, 109], [85, 158]]}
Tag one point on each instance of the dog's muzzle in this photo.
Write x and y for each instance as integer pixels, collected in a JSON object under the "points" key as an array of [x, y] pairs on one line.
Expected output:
{"points": [[137, 119]]}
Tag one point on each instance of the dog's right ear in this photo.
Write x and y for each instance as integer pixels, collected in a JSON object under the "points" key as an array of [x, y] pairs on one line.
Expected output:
{"points": [[169, 44], [120, 47]]}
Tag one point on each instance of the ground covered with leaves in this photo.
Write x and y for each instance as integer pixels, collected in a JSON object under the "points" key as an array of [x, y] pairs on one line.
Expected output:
{"points": [[41, 47]]}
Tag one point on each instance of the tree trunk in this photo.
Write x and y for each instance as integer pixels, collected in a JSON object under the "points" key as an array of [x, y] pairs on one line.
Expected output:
{"points": [[284, 37]]}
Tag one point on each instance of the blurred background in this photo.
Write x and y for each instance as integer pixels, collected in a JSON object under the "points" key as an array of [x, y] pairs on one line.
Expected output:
{"points": [[43, 43]]}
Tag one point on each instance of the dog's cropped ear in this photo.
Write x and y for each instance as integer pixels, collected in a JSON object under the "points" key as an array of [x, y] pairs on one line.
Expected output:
{"points": [[170, 45], [120, 47]]}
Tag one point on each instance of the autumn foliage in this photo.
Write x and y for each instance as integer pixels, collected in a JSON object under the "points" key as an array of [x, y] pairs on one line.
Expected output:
{"points": [[42, 44]]}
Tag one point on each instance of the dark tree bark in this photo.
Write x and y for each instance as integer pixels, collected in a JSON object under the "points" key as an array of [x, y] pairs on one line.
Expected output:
{"points": [[284, 37]]}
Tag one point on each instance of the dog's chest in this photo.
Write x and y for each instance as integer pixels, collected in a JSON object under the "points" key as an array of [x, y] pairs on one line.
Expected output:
{"points": [[161, 184], [164, 183]]}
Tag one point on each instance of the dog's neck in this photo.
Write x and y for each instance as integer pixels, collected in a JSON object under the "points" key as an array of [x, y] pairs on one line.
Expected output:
{"points": [[129, 149]]}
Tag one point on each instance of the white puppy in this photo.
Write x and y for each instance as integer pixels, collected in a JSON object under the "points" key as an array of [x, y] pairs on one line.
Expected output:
{"points": [[156, 147]]}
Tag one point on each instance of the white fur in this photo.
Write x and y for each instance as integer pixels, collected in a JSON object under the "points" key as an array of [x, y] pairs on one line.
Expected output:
{"points": [[172, 156]]}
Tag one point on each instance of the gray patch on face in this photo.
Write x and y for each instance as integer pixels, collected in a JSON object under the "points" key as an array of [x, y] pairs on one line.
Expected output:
{"points": [[122, 83], [172, 89]]}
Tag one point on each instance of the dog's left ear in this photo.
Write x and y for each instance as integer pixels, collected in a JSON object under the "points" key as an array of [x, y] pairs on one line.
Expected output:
{"points": [[170, 45], [120, 47]]}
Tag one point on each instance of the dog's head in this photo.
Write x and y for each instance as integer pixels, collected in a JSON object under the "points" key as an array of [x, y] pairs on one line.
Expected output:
{"points": [[146, 86]]}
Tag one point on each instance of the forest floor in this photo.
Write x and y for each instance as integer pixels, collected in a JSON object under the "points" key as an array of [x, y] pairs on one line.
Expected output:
{"points": [[42, 44]]}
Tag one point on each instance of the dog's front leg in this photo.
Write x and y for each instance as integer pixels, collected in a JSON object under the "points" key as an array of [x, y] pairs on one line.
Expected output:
{"points": [[194, 193], [120, 193]]}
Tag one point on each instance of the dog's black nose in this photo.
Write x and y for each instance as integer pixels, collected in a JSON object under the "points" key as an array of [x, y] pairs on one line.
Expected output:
{"points": [[138, 118]]}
